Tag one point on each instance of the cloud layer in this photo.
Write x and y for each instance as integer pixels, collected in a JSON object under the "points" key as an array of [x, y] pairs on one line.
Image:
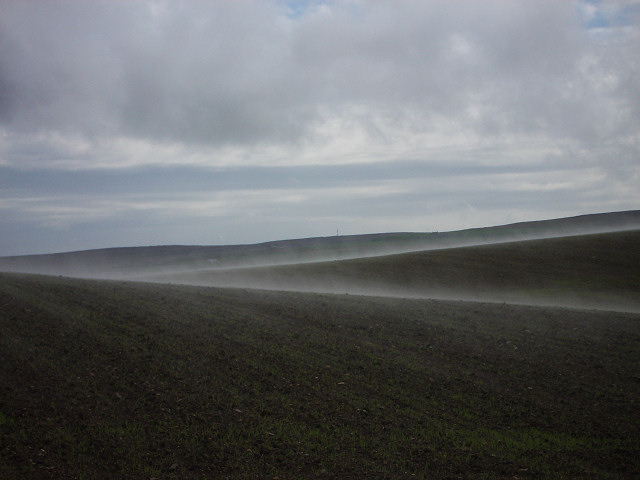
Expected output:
{"points": [[463, 86]]}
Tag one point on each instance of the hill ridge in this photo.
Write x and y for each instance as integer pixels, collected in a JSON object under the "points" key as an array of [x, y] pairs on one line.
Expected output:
{"points": [[588, 271], [116, 262]]}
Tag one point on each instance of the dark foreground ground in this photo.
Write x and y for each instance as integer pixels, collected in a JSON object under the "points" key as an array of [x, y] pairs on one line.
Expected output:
{"points": [[124, 380]]}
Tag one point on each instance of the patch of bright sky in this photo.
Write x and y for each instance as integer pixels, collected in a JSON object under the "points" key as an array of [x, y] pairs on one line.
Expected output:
{"points": [[297, 8], [598, 14]]}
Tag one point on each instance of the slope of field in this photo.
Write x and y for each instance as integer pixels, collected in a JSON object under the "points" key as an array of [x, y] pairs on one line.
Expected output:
{"points": [[125, 262], [595, 271], [103, 379]]}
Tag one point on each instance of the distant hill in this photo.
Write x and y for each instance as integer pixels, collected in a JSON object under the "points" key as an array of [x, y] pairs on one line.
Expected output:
{"points": [[129, 261], [587, 271]]}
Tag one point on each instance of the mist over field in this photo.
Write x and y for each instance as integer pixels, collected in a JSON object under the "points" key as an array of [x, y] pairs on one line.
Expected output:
{"points": [[586, 271], [555, 262]]}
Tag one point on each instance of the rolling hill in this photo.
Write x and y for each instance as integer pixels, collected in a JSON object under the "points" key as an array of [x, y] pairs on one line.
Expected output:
{"points": [[130, 261], [587, 271], [132, 379]]}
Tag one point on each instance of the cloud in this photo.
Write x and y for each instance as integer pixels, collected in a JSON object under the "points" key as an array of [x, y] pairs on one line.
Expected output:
{"points": [[241, 73], [247, 91]]}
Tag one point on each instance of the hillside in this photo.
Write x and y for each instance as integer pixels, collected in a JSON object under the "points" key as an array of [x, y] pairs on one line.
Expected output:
{"points": [[598, 270], [125, 262], [105, 379]]}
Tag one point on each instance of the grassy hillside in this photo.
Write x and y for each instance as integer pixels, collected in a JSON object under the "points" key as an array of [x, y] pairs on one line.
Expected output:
{"points": [[122, 380], [599, 270], [124, 262]]}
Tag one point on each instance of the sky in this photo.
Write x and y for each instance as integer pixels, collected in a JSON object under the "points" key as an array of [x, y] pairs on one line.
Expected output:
{"points": [[140, 122]]}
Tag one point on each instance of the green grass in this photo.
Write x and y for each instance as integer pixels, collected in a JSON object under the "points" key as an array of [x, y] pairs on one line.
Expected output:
{"points": [[125, 380]]}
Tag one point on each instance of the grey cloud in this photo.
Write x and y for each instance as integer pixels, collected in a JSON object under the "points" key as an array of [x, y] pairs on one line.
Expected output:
{"points": [[243, 72], [102, 214], [54, 210], [158, 181]]}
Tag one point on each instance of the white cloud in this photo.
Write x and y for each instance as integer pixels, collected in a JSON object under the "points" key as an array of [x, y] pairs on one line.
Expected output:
{"points": [[219, 73]]}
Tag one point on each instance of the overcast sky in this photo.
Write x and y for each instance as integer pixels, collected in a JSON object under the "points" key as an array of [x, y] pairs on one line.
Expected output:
{"points": [[140, 122]]}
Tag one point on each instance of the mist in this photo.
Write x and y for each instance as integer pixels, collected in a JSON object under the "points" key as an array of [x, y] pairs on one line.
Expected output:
{"points": [[577, 272], [566, 262]]}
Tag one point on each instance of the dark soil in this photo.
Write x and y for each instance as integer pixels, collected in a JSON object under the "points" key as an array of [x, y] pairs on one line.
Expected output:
{"points": [[122, 380]]}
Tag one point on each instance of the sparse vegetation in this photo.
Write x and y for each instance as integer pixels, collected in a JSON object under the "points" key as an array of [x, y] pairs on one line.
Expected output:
{"points": [[128, 380]]}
